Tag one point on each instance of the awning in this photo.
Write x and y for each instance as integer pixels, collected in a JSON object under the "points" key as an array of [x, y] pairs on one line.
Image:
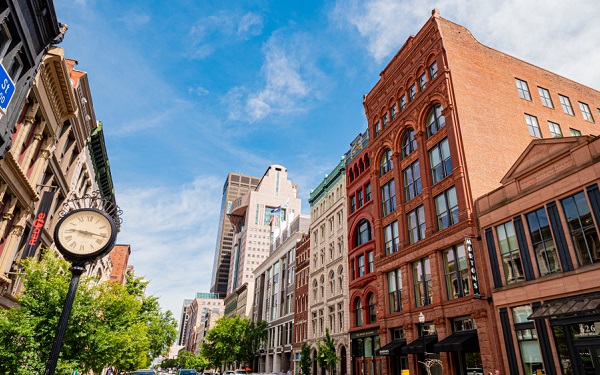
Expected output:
{"points": [[459, 342], [391, 348], [568, 306], [416, 347]]}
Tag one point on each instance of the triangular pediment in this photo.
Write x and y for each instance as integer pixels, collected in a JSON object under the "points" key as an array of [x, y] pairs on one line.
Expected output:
{"points": [[540, 154]]}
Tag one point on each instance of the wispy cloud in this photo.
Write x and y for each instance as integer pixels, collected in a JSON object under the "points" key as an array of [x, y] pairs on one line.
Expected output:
{"points": [[198, 90], [172, 229], [222, 30], [290, 80], [134, 19]]}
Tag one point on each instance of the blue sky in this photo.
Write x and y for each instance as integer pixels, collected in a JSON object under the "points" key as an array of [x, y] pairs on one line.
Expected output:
{"points": [[189, 90]]}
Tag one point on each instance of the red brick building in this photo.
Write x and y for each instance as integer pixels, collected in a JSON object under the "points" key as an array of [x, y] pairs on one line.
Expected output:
{"points": [[541, 230], [119, 256], [447, 120], [301, 299]]}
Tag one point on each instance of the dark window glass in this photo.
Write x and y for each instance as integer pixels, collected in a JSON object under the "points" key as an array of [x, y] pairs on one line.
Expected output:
{"points": [[361, 265], [422, 82], [412, 181], [581, 228], [372, 309], [422, 282], [363, 234], [368, 192], [402, 102], [435, 120], [384, 120], [359, 313], [386, 163], [412, 92], [456, 269], [388, 198], [391, 238], [360, 198], [574, 132], [409, 144], [441, 163], [433, 70], [377, 128], [509, 250], [543, 244], [393, 112], [371, 262], [395, 290], [416, 224], [446, 208]]}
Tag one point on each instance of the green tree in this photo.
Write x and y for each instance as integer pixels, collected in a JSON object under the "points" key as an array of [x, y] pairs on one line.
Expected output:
{"points": [[253, 334], [305, 359], [108, 325], [326, 355]]}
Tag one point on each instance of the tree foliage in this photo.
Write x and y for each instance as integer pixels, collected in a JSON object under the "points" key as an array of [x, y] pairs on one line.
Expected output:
{"points": [[305, 359], [326, 355], [108, 326], [233, 341]]}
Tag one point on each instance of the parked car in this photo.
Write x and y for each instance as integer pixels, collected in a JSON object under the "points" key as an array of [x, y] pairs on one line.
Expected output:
{"points": [[241, 371], [142, 372], [229, 372], [186, 372]]}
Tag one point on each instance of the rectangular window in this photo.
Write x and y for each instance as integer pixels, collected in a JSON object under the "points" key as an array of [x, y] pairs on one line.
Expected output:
{"points": [[377, 128], [566, 104], [395, 291], [545, 97], [368, 192], [581, 228], [360, 198], [509, 250], [574, 132], [416, 224], [370, 262], [412, 181], [554, 129], [585, 111], [393, 112], [456, 269], [412, 92], [533, 126], [388, 198], [391, 238], [422, 81], [543, 244], [402, 102], [361, 265], [523, 89], [446, 208], [384, 120], [433, 70], [352, 203], [441, 163], [531, 355], [422, 282]]}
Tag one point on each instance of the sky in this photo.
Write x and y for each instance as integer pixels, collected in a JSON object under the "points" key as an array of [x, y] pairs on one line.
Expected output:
{"points": [[190, 90]]}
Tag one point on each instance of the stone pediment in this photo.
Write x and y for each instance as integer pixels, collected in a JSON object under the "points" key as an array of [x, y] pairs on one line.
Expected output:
{"points": [[543, 158]]}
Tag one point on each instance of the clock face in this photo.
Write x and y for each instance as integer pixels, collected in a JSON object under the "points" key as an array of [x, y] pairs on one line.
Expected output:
{"points": [[84, 232]]}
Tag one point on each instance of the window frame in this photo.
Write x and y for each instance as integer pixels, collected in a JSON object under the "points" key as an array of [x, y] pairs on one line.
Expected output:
{"points": [[412, 92], [435, 120], [545, 97], [524, 93], [409, 143], [445, 163], [424, 296], [533, 125], [433, 70], [585, 229], [510, 254], [565, 103], [553, 126], [391, 238], [545, 247], [423, 81], [586, 112], [386, 162], [450, 211], [388, 198], [411, 176], [416, 233], [459, 270], [395, 295]]}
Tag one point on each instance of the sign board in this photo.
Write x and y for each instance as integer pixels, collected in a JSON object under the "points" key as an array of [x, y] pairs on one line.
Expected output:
{"points": [[7, 89], [471, 256]]}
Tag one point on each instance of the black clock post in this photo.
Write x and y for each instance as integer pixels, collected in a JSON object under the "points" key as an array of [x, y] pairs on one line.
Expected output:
{"points": [[84, 233]]}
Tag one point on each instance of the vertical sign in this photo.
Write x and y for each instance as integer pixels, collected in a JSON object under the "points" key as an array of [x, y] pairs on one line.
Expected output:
{"points": [[35, 234], [472, 267], [7, 89]]}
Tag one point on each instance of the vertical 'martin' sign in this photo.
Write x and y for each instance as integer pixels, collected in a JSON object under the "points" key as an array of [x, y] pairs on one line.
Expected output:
{"points": [[472, 267]]}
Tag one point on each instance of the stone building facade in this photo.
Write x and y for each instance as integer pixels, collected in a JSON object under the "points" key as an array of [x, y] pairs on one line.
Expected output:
{"points": [[447, 120], [301, 299], [328, 271]]}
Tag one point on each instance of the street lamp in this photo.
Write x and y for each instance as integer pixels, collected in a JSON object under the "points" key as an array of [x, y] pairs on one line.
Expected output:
{"points": [[422, 321]]}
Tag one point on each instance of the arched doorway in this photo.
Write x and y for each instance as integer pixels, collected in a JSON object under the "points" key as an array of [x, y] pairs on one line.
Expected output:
{"points": [[344, 361], [314, 364]]}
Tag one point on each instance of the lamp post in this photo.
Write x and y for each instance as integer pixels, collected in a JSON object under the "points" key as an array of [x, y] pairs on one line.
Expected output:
{"points": [[422, 321]]}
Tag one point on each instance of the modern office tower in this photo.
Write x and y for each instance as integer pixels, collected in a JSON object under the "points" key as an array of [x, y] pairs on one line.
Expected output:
{"points": [[183, 322], [259, 217], [447, 120], [274, 297], [28, 28], [235, 186], [328, 274]]}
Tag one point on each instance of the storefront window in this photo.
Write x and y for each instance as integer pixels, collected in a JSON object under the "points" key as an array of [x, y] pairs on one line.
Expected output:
{"points": [[582, 229], [531, 355]]}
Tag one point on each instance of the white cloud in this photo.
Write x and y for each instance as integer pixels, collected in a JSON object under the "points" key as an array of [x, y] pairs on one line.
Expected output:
{"points": [[222, 30], [557, 35], [135, 19], [198, 90], [290, 80], [172, 231]]}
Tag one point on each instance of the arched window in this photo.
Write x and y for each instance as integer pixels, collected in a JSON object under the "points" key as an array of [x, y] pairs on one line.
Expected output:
{"points": [[372, 313], [341, 279], [322, 288], [361, 166], [332, 282], [386, 164], [363, 232], [409, 144], [435, 120], [367, 161], [359, 313], [315, 289], [351, 175]]}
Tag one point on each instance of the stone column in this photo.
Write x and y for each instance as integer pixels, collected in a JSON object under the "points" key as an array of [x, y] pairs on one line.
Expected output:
{"points": [[19, 140], [41, 162]]}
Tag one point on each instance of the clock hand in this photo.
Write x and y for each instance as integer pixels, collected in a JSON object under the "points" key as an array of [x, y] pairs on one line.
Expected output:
{"points": [[86, 232]]}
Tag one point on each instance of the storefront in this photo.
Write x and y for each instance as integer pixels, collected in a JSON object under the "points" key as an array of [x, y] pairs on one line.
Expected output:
{"points": [[364, 347], [575, 325], [395, 359]]}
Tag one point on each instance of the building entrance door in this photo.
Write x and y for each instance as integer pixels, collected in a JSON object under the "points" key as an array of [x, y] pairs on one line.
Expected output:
{"points": [[588, 357]]}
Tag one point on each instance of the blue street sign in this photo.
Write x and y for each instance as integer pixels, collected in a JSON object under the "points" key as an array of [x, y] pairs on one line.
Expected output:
{"points": [[7, 89]]}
